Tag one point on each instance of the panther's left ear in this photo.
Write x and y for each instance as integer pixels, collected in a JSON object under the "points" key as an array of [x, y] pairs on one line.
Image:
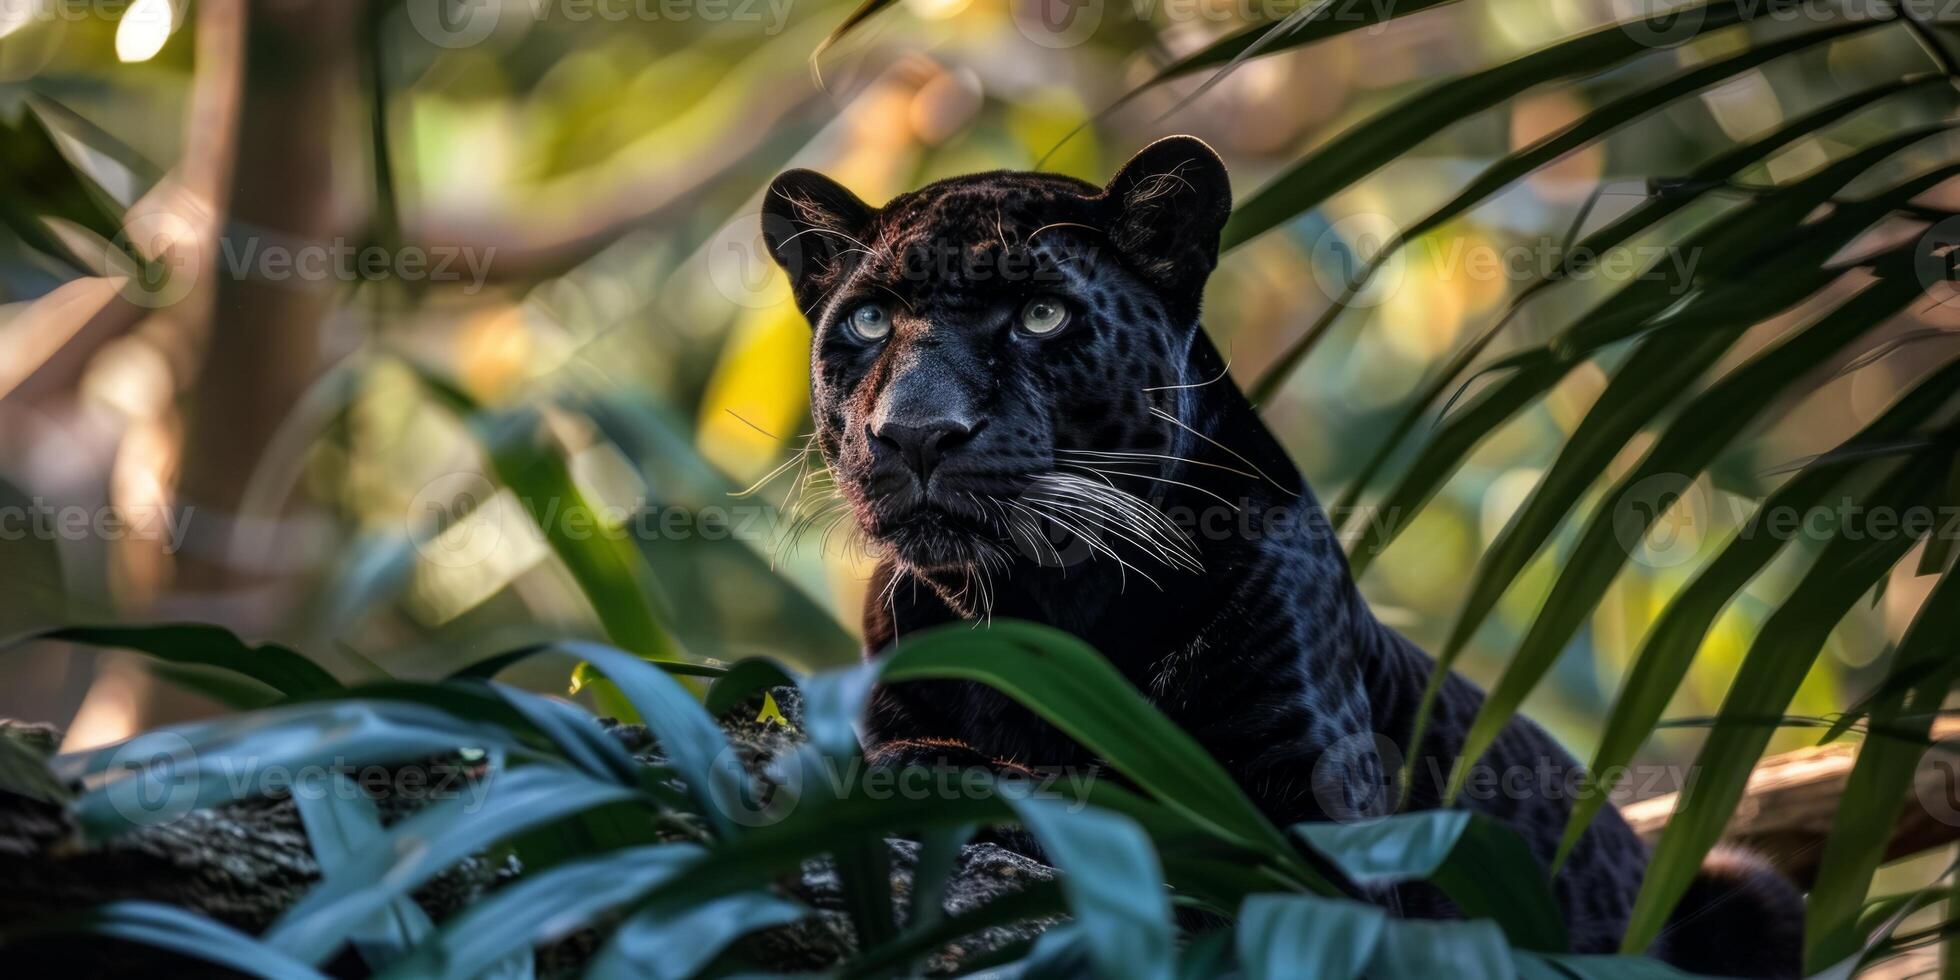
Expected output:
{"points": [[1170, 201]]}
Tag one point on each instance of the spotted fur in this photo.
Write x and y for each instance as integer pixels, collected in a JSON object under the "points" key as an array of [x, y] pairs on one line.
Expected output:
{"points": [[1255, 642]]}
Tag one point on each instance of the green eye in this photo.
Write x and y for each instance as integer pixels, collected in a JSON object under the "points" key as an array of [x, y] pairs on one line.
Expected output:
{"points": [[871, 322], [1044, 315]]}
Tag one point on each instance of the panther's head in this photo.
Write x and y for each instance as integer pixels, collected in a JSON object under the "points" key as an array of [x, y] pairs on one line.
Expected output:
{"points": [[995, 356]]}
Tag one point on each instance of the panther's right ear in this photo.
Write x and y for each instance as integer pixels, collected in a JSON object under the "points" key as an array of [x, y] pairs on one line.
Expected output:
{"points": [[808, 223]]}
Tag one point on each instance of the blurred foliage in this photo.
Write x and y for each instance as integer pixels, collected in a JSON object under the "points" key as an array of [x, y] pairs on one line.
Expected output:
{"points": [[1551, 462]]}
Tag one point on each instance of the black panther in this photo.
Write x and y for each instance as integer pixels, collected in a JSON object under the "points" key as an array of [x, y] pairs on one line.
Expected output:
{"points": [[1021, 411]]}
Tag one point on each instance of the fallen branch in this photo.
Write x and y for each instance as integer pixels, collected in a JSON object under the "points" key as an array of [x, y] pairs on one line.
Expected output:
{"points": [[245, 863], [1792, 799]]}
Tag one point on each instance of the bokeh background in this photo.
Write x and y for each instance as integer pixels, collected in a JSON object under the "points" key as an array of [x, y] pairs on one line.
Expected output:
{"points": [[567, 289]]}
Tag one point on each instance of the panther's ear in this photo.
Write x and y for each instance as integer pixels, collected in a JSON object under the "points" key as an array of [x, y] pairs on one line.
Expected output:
{"points": [[808, 222], [1170, 202]]}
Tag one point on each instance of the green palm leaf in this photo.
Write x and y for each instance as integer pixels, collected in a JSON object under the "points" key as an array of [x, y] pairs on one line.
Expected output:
{"points": [[1671, 643], [1705, 426], [1880, 783], [1775, 665]]}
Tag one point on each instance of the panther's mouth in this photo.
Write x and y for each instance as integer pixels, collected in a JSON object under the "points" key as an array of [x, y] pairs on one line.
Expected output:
{"points": [[1055, 519], [936, 536]]}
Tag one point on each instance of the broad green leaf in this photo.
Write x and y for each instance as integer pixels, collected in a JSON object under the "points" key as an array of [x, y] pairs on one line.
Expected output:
{"points": [[744, 680], [939, 852], [205, 646], [801, 624], [1282, 936], [814, 816], [234, 691], [1482, 865], [827, 815], [1710, 176], [692, 742], [1593, 967], [1072, 687], [492, 666], [541, 908], [1064, 952], [424, 844], [600, 557], [341, 822], [1880, 782], [160, 775], [183, 932], [1419, 949], [832, 704], [576, 735], [1598, 122], [1113, 882], [1209, 955], [1671, 643], [1367, 146], [1705, 426], [1203, 869], [865, 868], [1771, 672], [679, 944]]}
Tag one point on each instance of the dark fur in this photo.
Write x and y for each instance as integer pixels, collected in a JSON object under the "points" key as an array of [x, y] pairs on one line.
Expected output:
{"points": [[1268, 656]]}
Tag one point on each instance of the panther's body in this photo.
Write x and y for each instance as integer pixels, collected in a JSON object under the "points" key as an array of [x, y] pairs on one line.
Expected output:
{"points": [[986, 451]]}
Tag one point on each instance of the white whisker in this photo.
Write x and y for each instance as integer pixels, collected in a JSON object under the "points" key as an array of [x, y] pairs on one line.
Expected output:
{"points": [[1172, 419]]}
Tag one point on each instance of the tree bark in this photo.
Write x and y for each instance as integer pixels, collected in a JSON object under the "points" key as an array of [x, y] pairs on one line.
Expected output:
{"points": [[246, 863], [267, 128]]}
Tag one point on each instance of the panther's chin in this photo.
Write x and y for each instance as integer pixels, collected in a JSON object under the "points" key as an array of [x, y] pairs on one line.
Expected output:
{"points": [[931, 539]]}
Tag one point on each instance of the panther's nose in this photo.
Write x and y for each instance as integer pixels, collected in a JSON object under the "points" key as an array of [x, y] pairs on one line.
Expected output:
{"points": [[921, 445]]}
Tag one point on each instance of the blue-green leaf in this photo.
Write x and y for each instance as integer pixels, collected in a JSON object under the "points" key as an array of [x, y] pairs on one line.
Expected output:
{"points": [[678, 944], [1283, 936], [423, 845], [1482, 865], [1113, 882], [543, 907]]}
